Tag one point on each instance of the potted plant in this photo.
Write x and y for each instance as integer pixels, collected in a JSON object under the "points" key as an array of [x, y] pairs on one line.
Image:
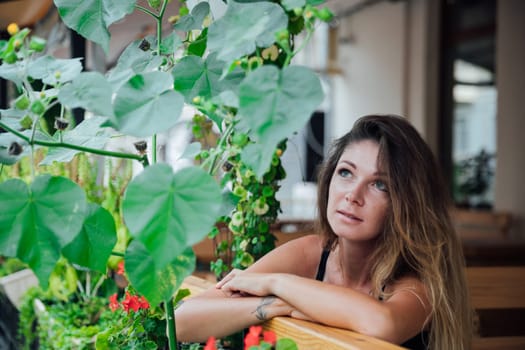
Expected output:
{"points": [[233, 70]]}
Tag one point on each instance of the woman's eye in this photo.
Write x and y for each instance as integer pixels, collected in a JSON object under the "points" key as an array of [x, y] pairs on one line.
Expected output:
{"points": [[344, 172], [380, 185]]}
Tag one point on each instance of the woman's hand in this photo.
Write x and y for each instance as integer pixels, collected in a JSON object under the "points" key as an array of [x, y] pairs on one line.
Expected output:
{"points": [[242, 283]]}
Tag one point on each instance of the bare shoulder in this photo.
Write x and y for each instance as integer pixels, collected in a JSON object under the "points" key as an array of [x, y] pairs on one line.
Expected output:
{"points": [[299, 256], [410, 293]]}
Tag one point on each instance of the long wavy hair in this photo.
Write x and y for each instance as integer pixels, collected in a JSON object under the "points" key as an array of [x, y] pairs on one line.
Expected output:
{"points": [[418, 236]]}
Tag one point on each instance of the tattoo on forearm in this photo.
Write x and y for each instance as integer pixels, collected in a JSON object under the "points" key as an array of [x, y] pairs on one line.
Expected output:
{"points": [[260, 311]]}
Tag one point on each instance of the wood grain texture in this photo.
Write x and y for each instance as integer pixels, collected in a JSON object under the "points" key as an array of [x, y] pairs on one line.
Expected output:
{"points": [[497, 287]]}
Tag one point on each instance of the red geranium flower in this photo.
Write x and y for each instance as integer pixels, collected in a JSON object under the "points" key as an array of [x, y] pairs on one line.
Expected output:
{"points": [[113, 302], [131, 302], [252, 338], [143, 303], [269, 337], [210, 344]]}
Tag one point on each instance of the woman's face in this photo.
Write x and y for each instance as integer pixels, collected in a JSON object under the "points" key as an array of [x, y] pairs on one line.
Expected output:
{"points": [[358, 198]]}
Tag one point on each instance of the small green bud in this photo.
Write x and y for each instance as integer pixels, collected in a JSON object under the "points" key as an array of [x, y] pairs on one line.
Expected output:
{"points": [[199, 119], [38, 107], [11, 58], [38, 44], [196, 100], [325, 14], [26, 122], [282, 35], [184, 11], [22, 102], [155, 4], [196, 131], [239, 139]]}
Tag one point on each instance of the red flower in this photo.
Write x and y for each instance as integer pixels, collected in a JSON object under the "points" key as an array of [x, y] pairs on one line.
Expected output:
{"points": [[255, 330], [252, 338], [143, 303], [210, 344], [131, 302], [113, 302], [269, 337], [120, 268]]}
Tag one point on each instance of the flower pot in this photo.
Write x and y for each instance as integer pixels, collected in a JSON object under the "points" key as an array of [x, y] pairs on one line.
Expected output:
{"points": [[16, 284]]}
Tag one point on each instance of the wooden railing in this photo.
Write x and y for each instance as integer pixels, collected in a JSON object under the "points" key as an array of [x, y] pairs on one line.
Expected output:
{"points": [[307, 335], [498, 296]]}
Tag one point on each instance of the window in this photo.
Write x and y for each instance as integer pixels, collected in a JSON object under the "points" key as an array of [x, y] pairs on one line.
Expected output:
{"points": [[468, 100]]}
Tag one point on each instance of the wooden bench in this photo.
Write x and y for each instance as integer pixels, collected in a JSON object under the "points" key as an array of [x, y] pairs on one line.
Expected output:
{"points": [[481, 224], [498, 296], [307, 335]]}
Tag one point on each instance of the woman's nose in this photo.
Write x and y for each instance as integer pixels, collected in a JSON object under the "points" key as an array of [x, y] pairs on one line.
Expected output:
{"points": [[355, 195]]}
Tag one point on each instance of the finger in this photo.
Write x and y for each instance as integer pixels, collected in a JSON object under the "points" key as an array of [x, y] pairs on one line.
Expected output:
{"points": [[227, 278]]}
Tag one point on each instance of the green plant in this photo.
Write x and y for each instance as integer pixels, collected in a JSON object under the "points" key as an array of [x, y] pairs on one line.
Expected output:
{"points": [[473, 177], [10, 265], [232, 70]]}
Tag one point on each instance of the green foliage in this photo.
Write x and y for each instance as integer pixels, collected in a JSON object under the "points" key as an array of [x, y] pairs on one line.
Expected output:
{"points": [[10, 265], [234, 71]]}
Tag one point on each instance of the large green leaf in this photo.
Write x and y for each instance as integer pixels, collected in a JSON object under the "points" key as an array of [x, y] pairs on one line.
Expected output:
{"points": [[245, 26], [291, 4], [53, 70], [14, 72], [92, 247], [89, 90], [169, 211], [147, 104], [36, 221], [92, 18], [197, 77], [194, 19], [274, 104], [134, 61], [88, 134], [154, 283]]}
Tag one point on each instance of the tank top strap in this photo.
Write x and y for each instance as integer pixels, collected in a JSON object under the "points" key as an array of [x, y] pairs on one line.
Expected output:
{"points": [[322, 265]]}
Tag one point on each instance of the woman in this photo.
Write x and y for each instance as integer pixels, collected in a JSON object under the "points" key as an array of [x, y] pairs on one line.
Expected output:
{"points": [[386, 263]]}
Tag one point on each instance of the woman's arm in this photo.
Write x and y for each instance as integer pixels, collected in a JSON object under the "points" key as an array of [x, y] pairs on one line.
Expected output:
{"points": [[217, 313], [396, 319], [214, 314]]}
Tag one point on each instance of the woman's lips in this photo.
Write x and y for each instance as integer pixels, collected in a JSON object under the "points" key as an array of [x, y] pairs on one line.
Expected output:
{"points": [[349, 215]]}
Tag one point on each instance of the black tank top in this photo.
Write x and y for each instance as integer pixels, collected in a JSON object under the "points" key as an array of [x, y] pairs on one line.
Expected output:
{"points": [[418, 342]]}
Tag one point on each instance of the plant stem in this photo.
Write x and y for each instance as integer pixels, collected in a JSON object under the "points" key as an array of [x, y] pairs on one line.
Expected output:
{"points": [[222, 141], [141, 158], [117, 254], [145, 10], [170, 319], [158, 18]]}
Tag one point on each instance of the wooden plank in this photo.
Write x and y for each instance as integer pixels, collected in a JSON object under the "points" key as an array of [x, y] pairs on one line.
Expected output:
{"points": [[307, 335], [481, 224], [313, 336], [497, 343], [497, 287]]}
